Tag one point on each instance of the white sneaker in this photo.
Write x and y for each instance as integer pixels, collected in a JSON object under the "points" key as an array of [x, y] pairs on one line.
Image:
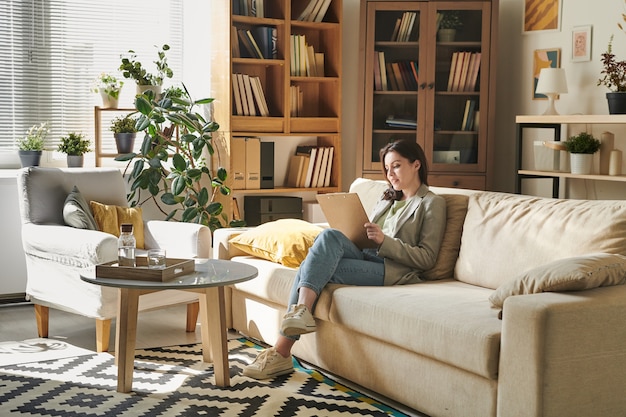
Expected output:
{"points": [[269, 364], [297, 321]]}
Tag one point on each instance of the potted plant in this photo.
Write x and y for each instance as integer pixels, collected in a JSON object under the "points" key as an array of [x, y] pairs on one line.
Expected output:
{"points": [[448, 24], [132, 68], [31, 146], [75, 146], [124, 131], [172, 162], [581, 148], [614, 78], [109, 88]]}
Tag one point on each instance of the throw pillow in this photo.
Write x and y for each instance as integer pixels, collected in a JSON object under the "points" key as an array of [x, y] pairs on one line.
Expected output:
{"points": [[284, 241], [76, 212], [109, 218], [570, 274]]}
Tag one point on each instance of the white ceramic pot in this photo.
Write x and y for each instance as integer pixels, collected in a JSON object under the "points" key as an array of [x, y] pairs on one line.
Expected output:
{"points": [[108, 102], [581, 163]]}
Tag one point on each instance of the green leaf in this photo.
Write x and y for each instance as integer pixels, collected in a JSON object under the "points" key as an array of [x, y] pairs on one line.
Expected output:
{"points": [[203, 196], [190, 214], [178, 185], [125, 157], [142, 123], [154, 189], [137, 169], [169, 199], [215, 208], [179, 162], [171, 215], [204, 101], [146, 145], [222, 174], [194, 173], [143, 105]]}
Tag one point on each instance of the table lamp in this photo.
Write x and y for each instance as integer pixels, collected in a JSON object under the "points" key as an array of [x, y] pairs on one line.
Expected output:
{"points": [[551, 82]]}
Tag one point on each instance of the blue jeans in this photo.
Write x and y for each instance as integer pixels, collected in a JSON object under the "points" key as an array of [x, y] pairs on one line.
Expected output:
{"points": [[334, 258]]}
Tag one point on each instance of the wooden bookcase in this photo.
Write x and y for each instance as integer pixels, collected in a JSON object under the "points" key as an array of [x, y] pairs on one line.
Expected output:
{"points": [[459, 148], [319, 121]]}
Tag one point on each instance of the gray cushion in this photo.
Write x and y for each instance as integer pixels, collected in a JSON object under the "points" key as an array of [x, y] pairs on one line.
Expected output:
{"points": [[76, 212]]}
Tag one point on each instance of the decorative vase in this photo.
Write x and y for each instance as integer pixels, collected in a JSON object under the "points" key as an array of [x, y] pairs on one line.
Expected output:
{"points": [[607, 143], [75, 161], [446, 35], [617, 102], [125, 142], [30, 158], [108, 102], [581, 163], [156, 89]]}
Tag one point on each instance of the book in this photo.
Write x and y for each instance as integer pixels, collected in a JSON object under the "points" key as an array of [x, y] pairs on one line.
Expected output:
{"points": [[397, 75], [329, 166], [310, 167], [474, 74], [266, 110], [383, 71], [255, 45], [238, 110], [249, 95], [453, 63], [319, 64], [259, 98], [311, 69], [235, 42], [320, 180], [296, 162], [322, 11], [464, 69], [317, 167], [306, 12], [242, 94], [378, 86], [396, 29]]}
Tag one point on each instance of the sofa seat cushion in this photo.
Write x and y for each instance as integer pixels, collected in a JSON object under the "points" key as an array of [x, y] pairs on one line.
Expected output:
{"points": [[524, 232], [445, 320], [273, 282]]}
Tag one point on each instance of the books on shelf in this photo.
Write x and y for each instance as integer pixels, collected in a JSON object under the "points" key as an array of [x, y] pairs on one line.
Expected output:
{"points": [[464, 70], [469, 115], [305, 61], [314, 11], [394, 76], [403, 123], [296, 100], [260, 42], [404, 26], [311, 167], [248, 96], [254, 8]]}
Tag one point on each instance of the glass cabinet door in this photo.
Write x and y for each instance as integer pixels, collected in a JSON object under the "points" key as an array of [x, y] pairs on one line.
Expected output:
{"points": [[453, 136], [392, 76]]}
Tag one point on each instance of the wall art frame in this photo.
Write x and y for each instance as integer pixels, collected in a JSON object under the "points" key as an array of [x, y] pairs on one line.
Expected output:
{"points": [[544, 58]]}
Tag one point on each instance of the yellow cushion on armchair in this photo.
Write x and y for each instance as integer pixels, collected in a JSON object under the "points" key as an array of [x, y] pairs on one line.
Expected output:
{"points": [[109, 218]]}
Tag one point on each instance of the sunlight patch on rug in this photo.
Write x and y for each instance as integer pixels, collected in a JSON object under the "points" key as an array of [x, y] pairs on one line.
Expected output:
{"points": [[37, 350]]}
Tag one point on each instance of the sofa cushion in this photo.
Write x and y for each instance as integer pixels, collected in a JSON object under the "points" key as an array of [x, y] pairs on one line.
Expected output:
{"points": [[285, 241], [76, 211], [445, 320], [109, 218], [456, 209], [569, 274], [506, 234]]}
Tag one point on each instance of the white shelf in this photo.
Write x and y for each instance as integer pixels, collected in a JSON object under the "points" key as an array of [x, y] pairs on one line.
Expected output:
{"points": [[573, 118], [557, 174]]}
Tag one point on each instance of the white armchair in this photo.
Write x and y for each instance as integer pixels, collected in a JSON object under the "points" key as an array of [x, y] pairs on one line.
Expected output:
{"points": [[55, 253]]}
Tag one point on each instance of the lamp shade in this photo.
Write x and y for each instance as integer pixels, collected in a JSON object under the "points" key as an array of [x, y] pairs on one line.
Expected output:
{"points": [[552, 81]]}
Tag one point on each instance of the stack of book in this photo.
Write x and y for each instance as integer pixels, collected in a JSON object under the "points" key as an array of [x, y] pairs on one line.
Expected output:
{"points": [[314, 11], [402, 123], [249, 8], [248, 96], [404, 27], [311, 166], [394, 76], [464, 69], [260, 42], [296, 101], [470, 115], [305, 62]]}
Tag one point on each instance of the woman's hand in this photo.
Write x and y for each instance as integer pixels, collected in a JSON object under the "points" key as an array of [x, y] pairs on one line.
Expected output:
{"points": [[374, 232]]}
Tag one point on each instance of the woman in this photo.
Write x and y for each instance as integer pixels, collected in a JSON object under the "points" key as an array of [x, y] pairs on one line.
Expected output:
{"points": [[407, 225]]}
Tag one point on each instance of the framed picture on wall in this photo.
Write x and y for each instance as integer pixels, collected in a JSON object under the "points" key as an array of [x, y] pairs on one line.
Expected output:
{"points": [[541, 16], [581, 43], [544, 58]]}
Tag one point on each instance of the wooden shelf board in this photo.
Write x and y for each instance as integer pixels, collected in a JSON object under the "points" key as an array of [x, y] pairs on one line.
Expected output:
{"points": [[552, 174]]}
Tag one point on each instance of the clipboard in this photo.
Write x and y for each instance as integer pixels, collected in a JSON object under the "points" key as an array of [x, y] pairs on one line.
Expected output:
{"points": [[345, 212]]}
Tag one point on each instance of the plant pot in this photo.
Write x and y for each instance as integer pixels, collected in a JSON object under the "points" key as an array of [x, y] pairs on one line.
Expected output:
{"points": [[581, 163], [125, 142], [30, 158], [108, 102], [75, 161], [446, 35], [156, 89], [617, 102]]}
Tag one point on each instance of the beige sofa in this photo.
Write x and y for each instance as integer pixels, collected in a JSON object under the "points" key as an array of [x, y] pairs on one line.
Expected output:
{"points": [[440, 347]]}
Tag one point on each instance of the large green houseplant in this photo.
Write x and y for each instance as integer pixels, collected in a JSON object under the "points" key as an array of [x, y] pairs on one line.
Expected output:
{"points": [[175, 161]]}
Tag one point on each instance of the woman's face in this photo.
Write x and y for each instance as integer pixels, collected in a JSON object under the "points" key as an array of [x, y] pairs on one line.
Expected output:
{"points": [[401, 173]]}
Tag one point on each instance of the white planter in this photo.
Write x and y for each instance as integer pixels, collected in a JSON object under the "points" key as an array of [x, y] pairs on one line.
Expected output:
{"points": [[581, 163], [108, 102]]}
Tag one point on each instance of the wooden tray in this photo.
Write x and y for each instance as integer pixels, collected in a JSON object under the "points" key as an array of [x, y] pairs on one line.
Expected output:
{"points": [[173, 269]]}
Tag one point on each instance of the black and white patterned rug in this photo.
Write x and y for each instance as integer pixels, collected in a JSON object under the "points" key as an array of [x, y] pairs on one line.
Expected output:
{"points": [[173, 381]]}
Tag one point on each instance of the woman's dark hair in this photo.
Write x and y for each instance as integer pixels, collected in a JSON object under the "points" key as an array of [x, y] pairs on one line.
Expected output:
{"points": [[410, 150]]}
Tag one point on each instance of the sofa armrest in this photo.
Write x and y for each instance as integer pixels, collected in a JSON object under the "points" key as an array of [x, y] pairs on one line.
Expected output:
{"points": [[185, 240], [563, 354], [222, 249], [68, 245]]}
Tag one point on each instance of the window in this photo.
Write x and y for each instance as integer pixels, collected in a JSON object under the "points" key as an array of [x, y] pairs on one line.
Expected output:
{"points": [[52, 50]]}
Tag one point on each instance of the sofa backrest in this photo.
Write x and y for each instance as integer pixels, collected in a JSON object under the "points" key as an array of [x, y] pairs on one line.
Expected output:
{"points": [[42, 191], [507, 234], [370, 191]]}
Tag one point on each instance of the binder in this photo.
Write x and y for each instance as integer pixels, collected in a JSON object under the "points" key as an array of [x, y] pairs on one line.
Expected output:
{"points": [[267, 165], [238, 157], [253, 163]]}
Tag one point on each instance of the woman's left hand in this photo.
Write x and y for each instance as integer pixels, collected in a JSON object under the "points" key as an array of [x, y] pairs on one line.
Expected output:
{"points": [[374, 232]]}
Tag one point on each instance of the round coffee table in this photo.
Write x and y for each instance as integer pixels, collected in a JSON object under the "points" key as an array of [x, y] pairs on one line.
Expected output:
{"points": [[208, 279]]}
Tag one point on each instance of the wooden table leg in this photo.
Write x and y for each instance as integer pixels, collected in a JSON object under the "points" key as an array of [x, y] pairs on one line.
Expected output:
{"points": [[126, 337], [214, 338]]}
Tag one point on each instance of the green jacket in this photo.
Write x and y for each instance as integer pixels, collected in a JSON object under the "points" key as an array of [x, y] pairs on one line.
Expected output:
{"points": [[414, 245]]}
